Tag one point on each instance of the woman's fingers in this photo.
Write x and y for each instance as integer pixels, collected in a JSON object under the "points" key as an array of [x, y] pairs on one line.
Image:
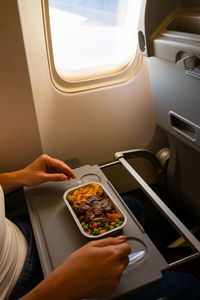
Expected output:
{"points": [[124, 250], [59, 166], [110, 241], [117, 245], [125, 262], [54, 177]]}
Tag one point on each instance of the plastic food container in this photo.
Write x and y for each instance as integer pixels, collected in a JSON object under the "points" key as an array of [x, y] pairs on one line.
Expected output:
{"points": [[109, 223]]}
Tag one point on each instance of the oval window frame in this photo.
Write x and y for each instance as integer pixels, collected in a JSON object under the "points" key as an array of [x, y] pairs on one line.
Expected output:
{"points": [[123, 74]]}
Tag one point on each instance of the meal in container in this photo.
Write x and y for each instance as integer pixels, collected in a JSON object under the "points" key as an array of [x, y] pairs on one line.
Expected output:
{"points": [[94, 209]]}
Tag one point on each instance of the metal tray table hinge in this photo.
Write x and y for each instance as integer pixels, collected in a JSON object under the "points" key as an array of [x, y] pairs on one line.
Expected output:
{"points": [[171, 217], [147, 155]]}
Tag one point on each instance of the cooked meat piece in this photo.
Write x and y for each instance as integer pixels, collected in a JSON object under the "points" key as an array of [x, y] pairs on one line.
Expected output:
{"points": [[89, 216], [96, 204], [107, 205], [91, 199], [102, 220], [76, 209], [94, 209], [98, 212], [83, 207]]}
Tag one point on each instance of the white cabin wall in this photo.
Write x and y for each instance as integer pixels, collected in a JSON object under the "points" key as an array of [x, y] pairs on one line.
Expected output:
{"points": [[20, 141], [91, 125]]}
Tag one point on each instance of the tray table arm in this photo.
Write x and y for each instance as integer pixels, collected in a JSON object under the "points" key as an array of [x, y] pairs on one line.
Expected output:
{"points": [[171, 217]]}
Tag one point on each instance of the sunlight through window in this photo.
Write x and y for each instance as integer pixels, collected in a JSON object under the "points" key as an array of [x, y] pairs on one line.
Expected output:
{"points": [[92, 38]]}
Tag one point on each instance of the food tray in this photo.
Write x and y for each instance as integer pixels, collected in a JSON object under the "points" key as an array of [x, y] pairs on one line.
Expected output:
{"points": [[111, 220], [57, 236]]}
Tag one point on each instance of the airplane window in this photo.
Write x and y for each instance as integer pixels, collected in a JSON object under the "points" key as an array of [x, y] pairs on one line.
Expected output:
{"points": [[91, 39]]}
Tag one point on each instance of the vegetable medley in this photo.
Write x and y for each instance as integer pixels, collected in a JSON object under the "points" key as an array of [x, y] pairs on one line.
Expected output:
{"points": [[94, 209]]}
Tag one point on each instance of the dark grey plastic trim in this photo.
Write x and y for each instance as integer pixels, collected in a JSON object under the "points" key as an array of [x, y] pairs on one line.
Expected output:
{"points": [[185, 127], [57, 235], [176, 223]]}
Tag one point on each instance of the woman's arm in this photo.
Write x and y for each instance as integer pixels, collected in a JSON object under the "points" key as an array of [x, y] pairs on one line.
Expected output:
{"points": [[43, 169], [11, 181]]}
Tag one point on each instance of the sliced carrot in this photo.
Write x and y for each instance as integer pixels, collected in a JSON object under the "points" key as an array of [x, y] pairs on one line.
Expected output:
{"points": [[102, 231], [113, 216], [94, 225]]}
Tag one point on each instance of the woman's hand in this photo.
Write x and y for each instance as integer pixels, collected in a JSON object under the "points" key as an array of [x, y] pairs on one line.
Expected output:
{"points": [[43, 169], [46, 168], [96, 268], [92, 271]]}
